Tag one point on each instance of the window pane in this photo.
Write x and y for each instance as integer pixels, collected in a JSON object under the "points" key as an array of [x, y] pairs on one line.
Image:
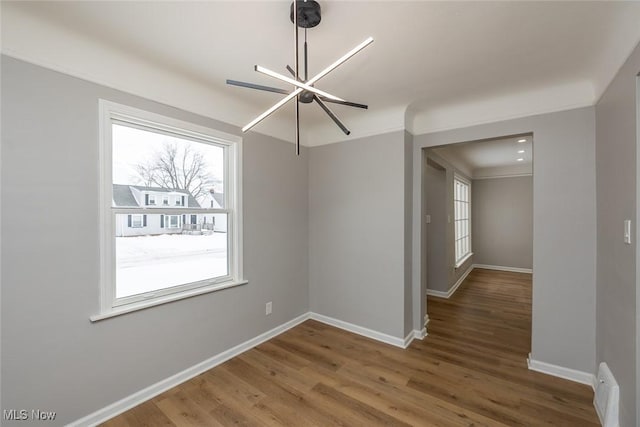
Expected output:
{"points": [[150, 166], [160, 256], [462, 218]]}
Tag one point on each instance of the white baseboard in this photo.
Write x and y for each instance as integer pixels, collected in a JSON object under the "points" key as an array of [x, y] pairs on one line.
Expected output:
{"points": [[503, 268], [439, 294], [420, 334], [561, 372], [360, 330], [122, 405], [454, 288], [143, 395]]}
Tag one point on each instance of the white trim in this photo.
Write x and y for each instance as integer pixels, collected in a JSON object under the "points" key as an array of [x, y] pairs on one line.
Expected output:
{"points": [[110, 113], [414, 335], [561, 372], [439, 294], [122, 405], [466, 182], [463, 259], [454, 288], [502, 268], [360, 330], [141, 305], [514, 175], [145, 394], [420, 334]]}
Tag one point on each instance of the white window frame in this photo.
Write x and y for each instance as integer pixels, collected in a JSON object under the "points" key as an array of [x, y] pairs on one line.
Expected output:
{"points": [[165, 200], [459, 260], [113, 113], [167, 221], [152, 199]]}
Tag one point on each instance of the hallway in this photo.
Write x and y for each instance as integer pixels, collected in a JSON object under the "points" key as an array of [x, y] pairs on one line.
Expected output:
{"points": [[482, 335]]}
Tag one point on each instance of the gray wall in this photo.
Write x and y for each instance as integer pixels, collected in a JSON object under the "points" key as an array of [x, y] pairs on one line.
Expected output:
{"points": [[616, 150], [564, 221], [436, 202], [356, 232], [450, 273], [502, 221], [53, 357]]}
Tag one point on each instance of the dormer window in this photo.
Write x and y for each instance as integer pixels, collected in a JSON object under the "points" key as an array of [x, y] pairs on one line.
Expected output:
{"points": [[152, 200], [165, 200], [180, 201]]}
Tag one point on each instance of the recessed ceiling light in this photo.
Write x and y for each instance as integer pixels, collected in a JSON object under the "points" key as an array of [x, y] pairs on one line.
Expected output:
{"points": [[520, 159], [522, 140], [520, 151]]}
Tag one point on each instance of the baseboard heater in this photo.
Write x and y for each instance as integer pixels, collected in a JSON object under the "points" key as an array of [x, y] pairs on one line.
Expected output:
{"points": [[606, 398]]}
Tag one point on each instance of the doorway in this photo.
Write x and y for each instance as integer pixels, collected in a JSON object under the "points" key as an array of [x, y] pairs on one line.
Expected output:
{"points": [[478, 201]]}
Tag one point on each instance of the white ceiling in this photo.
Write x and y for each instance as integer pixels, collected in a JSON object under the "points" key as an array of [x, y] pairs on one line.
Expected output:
{"points": [[433, 65], [491, 158]]}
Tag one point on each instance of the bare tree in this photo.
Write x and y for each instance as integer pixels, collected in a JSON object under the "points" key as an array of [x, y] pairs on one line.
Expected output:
{"points": [[181, 168]]}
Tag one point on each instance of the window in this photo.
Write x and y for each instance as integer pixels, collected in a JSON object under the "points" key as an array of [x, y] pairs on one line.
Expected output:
{"points": [[462, 219], [135, 221], [148, 256], [172, 221]]}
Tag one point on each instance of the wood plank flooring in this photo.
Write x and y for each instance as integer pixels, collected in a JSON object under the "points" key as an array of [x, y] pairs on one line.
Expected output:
{"points": [[470, 370]]}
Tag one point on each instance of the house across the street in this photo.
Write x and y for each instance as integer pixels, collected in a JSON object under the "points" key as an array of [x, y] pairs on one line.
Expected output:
{"points": [[184, 216]]}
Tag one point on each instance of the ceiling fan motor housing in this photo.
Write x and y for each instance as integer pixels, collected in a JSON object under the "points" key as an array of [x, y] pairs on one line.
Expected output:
{"points": [[306, 96], [308, 13]]}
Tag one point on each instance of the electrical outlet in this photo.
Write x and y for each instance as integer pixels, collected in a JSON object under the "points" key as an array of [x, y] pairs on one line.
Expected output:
{"points": [[268, 308]]}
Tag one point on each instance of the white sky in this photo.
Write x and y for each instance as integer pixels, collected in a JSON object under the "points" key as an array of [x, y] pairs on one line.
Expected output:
{"points": [[134, 146]]}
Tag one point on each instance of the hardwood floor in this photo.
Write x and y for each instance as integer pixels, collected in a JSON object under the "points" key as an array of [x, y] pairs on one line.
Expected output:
{"points": [[470, 370]]}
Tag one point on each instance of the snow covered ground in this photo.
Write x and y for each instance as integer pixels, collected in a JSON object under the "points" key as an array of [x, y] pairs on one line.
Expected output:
{"points": [[147, 263]]}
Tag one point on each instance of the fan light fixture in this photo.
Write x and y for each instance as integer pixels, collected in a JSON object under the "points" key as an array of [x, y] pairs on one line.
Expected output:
{"points": [[307, 16]]}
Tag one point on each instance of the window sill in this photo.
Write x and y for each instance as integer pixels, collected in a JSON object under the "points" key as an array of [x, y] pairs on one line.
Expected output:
{"points": [[141, 305], [463, 260]]}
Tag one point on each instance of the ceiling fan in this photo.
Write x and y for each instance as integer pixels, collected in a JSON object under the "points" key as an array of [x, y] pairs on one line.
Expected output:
{"points": [[307, 16]]}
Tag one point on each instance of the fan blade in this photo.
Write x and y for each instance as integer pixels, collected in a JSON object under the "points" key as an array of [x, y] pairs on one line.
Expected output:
{"points": [[259, 87], [301, 85], [333, 116], [341, 60], [314, 79], [293, 73], [347, 103], [271, 110]]}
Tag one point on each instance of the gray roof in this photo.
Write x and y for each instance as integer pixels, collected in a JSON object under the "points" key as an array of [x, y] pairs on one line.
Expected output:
{"points": [[122, 196], [219, 197]]}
